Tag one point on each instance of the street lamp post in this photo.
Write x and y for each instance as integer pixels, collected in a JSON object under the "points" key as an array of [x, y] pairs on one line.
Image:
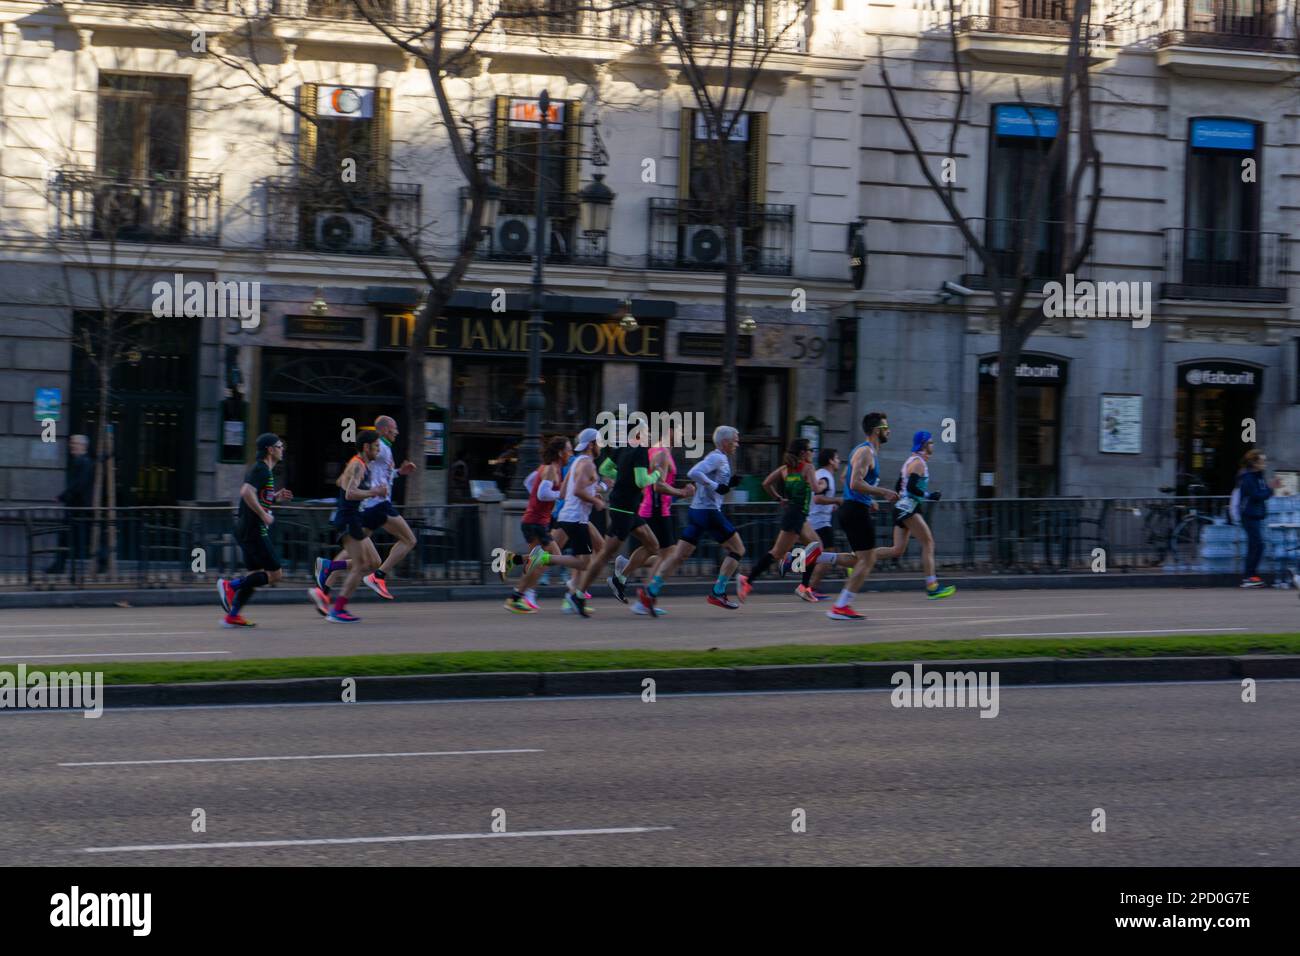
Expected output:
{"points": [[530, 450]]}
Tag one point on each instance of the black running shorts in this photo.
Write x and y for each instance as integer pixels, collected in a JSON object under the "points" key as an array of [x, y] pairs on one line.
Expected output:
{"points": [[579, 537], [859, 525], [622, 523], [827, 534], [259, 552], [665, 531], [535, 533], [792, 519], [376, 516]]}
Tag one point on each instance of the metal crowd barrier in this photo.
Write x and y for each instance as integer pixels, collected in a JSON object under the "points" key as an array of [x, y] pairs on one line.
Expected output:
{"points": [[161, 547]]}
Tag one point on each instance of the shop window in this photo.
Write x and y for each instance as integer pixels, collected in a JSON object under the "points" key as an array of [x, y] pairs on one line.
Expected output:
{"points": [[1040, 382]]}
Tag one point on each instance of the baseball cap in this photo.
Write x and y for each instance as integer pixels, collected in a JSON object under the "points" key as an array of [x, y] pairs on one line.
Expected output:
{"points": [[585, 438], [919, 440], [266, 440]]}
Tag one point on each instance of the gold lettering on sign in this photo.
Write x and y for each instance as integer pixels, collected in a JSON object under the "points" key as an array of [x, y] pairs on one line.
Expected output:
{"points": [[438, 335], [548, 343], [478, 337], [505, 337], [649, 340]]}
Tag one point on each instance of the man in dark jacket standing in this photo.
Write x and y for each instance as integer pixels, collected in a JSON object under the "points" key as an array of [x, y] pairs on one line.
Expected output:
{"points": [[1254, 495], [80, 484]]}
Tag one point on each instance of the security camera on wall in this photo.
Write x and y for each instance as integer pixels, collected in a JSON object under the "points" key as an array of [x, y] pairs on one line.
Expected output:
{"points": [[952, 288]]}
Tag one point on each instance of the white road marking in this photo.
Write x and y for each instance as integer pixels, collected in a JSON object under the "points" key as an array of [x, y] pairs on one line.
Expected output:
{"points": [[413, 753], [339, 841], [79, 637], [1167, 630], [152, 622], [43, 657]]}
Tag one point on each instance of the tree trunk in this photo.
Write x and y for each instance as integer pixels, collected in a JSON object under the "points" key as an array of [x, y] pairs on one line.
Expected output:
{"points": [[730, 332], [1007, 478], [416, 403]]}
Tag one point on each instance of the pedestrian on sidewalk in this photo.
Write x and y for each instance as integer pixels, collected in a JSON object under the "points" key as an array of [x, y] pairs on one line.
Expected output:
{"points": [[76, 494], [1253, 491]]}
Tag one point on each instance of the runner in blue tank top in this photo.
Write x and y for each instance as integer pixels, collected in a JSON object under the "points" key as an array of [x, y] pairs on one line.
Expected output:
{"points": [[857, 515]]}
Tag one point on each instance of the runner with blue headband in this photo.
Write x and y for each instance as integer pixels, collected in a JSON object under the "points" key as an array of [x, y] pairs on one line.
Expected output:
{"points": [[913, 488]]}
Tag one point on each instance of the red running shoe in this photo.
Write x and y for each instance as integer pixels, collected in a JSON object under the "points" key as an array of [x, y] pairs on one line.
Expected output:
{"points": [[845, 613], [720, 600], [377, 585]]}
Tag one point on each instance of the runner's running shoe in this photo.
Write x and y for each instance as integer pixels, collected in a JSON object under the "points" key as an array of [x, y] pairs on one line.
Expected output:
{"points": [[787, 563], [845, 613], [342, 617], [1252, 583], [640, 608], [808, 594], [620, 563], [234, 620], [227, 594], [645, 602], [322, 572], [506, 565], [618, 586], [519, 606], [320, 600], [743, 587], [538, 555], [721, 600], [936, 592], [819, 595], [378, 585]]}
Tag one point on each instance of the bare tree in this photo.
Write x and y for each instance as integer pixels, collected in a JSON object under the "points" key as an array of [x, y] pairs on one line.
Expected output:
{"points": [[1009, 271], [723, 47]]}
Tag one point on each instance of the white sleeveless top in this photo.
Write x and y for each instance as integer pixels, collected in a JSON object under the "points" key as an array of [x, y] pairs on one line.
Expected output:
{"points": [[575, 509], [819, 516]]}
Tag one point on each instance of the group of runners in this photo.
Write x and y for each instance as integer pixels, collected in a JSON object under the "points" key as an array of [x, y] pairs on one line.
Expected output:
{"points": [[586, 502], [364, 505]]}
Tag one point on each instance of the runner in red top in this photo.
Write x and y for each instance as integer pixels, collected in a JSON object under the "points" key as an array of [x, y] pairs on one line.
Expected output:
{"points": [[543, 490]]}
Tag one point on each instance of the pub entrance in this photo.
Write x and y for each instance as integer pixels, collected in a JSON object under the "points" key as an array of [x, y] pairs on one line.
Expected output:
{"points": [[1215, 400], [305, 399]]}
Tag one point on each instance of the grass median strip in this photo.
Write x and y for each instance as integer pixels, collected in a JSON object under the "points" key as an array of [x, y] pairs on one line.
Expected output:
{"points": [[477, 662]]}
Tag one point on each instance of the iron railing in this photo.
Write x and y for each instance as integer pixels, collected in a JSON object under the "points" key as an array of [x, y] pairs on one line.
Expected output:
{"points": [[684, 235], [514, 237], [1225, 265], [303, 216], [155, 547], [1228, 25], [1003, 239], [163, 209]]}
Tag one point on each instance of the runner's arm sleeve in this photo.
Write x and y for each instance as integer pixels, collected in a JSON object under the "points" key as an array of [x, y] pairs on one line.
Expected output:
{"points": [[608, 469], [698, 474], [644, 477], [914, 486], [546, 491]]}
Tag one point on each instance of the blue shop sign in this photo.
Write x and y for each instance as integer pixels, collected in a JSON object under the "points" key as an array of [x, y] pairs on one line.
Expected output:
{"points": [[1223, 134], [1039, 121]]}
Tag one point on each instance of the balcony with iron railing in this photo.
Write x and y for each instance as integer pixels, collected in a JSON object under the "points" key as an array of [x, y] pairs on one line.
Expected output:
{"points": [[1031, 33], [1004, 240], [302, 216], [513, 238], [1225, 265], [167, 209], [684, 234], [1229, 39]]}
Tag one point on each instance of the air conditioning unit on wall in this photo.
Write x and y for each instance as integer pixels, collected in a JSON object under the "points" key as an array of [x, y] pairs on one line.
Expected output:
{"points": [[516, 235], [342, 232], [703, 245]]}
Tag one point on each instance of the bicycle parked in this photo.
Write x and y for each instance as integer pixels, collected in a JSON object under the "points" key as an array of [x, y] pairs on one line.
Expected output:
{"points": [[1172, 529]]}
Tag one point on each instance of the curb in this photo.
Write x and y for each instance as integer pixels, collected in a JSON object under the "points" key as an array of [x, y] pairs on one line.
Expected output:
{"points": [[1018, 671], [293, 593]]}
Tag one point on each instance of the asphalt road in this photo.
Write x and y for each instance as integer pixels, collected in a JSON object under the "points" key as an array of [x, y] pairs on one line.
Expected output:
{"points": [[194, 633], [1187, 774]]}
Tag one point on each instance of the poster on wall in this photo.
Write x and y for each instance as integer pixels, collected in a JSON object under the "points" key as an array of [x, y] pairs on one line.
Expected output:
{"points": [[1121, 424]]}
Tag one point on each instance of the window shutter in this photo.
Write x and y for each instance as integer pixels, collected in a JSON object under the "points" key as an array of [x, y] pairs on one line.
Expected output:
{"points": [[307, 128], [380, 140], [572, 146], [499, 134], [758, 158], [684, 153]]}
